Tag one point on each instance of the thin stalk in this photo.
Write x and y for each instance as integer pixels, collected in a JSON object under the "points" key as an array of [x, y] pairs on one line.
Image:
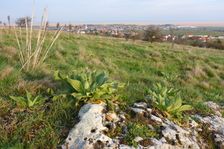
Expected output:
{"points": [[52, 43], [33, 53]]}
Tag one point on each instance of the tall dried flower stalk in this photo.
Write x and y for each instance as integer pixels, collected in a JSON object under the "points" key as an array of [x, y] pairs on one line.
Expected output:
{"points": [[32, 49]]}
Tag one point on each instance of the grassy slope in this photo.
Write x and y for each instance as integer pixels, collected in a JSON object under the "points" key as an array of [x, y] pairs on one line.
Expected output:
{"points": [[197, 72]]}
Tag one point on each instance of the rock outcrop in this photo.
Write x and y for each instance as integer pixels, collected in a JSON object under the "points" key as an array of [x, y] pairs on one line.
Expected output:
{"points": [[89, 133]]}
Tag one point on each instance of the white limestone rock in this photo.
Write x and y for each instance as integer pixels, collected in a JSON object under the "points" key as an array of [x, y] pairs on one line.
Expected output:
{"points": [[112, 117], [141, 105], [214, 107], [164, 146], [216, 125], [156, 119], [122, 146], [138, 110], [138, 139], [179, 136], [149, 110], [88, 132]]}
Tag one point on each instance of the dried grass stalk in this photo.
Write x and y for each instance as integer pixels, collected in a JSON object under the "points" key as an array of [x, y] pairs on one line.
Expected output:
{"points": [[32, 49]]}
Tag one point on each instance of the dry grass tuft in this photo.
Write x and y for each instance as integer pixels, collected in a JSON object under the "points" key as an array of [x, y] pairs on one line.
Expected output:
{"points": [[33, 53], [5, 72], [9, 51], [59, 56], [89, 58], [222, 83], [82, 53], [35, 86], [198, 72], [210, 72], [205, 85]]}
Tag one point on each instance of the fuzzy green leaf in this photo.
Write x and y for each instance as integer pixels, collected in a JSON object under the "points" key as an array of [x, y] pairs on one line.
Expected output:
{"points": [[185, 108]]}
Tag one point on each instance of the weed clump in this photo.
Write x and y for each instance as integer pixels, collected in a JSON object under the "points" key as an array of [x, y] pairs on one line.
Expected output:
{"points": [[168, 101], [138, 130], [90, 86]]}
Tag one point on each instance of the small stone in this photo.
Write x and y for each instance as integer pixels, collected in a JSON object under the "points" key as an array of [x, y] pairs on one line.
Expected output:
{"points": [[122, 116], [154, 141], [170, 134], [155, 118], [150, 127], [142, 105], [112, 117], [124, 129], [138, 139], [218, 113], [164, 146], [163, 140], [212, 105], [149, 110], [122, 146], [193, 124], [199, 130], [138, 110]]}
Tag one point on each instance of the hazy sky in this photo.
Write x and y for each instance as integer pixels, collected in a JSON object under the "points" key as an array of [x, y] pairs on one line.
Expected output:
{"points": [[118, 11]]}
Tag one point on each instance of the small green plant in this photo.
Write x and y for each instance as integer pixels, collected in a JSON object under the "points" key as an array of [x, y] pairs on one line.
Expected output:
{"points": [[29, 101], [167, 100], [90, 86], [138, 130]]}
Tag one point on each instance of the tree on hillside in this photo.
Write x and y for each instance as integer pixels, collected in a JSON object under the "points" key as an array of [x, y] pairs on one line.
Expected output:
{"points": [[70, 27], [58, 25], [217, 44], [172, 36], [152, 34], [127, 36], [9, 20], [21, 22], [135, 35]]}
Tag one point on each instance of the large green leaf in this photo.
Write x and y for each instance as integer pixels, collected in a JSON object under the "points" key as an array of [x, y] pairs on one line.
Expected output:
{"points": [[76, 84], [28, 95], [175, 104], [101, 79], [58, 76]]}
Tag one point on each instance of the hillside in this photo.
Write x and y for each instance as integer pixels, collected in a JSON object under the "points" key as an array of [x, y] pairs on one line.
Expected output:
{"points": [[197, 73]]}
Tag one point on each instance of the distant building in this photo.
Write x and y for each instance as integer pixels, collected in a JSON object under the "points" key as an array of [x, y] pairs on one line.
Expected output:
{"points": [[81, 31], [203, 38]]}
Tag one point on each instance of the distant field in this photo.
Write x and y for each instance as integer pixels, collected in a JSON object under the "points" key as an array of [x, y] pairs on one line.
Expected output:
{"points": [[212, 31], [198, 73]]}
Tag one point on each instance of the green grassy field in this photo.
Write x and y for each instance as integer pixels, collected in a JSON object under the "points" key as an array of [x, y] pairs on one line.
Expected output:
{"points": [[198, 73]]}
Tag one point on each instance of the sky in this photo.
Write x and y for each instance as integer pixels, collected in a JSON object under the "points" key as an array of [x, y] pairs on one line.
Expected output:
{"points": [[117, 11]]}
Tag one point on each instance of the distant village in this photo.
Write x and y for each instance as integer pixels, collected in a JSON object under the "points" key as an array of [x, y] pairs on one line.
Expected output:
{"points": [[119, 30]]}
